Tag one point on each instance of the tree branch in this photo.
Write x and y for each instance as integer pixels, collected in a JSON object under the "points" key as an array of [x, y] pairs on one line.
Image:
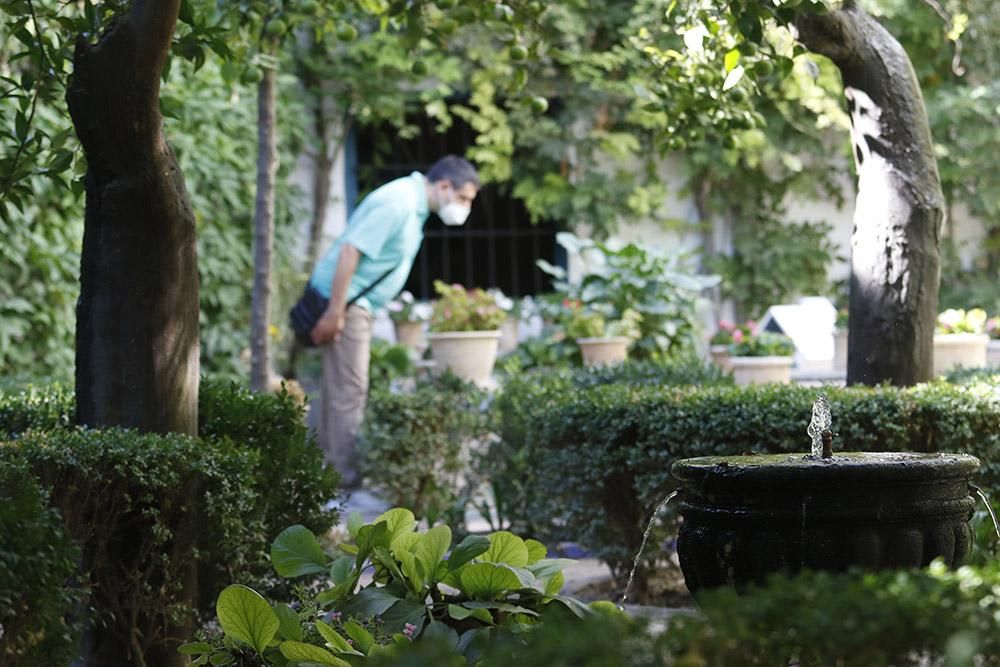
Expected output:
{"points": [[154, 22], [833, 35]]}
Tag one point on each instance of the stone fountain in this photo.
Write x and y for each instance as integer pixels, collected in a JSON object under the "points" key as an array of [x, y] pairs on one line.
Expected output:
{"points": [[746, 517]]}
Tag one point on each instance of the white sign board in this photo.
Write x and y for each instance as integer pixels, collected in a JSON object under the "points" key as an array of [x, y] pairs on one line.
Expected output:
{"points": [[809, 323]]}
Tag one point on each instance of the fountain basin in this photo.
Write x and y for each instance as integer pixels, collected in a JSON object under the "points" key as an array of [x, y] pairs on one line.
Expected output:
{"points": [[745, 517]]}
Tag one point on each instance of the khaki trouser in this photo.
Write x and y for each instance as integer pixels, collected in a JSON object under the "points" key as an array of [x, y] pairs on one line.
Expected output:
{"points": [[345, 390]]}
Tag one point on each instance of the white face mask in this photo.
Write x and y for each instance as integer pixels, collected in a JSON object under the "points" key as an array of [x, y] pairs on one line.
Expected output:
{"points": [[454, 214]]}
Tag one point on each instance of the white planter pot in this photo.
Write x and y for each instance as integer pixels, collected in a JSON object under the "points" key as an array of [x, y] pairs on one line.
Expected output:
{"points": [[608, 351], [993, 353], [840, 350], [959, 350], [761, 370], [410, 334], [468, 354], [720, 356], [509, 331]]}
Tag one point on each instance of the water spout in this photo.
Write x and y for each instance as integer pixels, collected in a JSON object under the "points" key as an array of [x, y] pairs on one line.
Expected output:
{"points": [[645, 536], [986, 501], [819, 428]]}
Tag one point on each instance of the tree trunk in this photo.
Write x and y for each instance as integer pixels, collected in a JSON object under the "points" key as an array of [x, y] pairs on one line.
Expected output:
{"points": [[263, 231], [137, 316], [899, 212]]}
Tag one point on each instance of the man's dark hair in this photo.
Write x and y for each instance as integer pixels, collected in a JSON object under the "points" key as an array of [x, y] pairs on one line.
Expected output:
{"points": [[455, 169]]}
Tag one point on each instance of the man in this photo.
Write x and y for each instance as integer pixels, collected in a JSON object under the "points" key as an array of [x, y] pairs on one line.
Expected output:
{"points": [[375, 253]]}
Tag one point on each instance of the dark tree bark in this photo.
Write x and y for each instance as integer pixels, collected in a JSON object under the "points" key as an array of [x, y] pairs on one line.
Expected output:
{"points": [[895, 262], [263, 231], [137, 316]]}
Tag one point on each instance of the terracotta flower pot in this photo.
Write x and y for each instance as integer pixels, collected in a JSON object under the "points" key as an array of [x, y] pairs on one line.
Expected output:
{"points": [[761, 370], [468, 354], [964, 350], [410, 334], [605, 351]]}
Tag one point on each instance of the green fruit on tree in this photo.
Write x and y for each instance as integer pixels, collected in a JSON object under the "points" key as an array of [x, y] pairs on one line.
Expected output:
{"points": [[419, 67], [309, 7], [502, 12], [518, 53], [252, 76], [539, 104], [738, 95], [275, 28], [764, 68], [729, 142], [676, 144], [347, 33], [748, 49], [448, 26]]}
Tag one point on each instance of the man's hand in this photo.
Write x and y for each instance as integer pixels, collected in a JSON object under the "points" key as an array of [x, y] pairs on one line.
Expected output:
{"points": [[328, 327]]}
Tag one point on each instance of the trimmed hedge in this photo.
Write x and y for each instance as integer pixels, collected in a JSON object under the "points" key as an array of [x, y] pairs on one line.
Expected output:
{"points": [[593, 463], [925, 617], [37, 566], [154, 513]]}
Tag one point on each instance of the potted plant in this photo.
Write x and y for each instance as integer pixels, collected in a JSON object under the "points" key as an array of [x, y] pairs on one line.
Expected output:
{"points": [[761, 357], [602, 342], [960, 340], [840, 341], [465, 331], [408, 318], [718, 344], [993, 349]]}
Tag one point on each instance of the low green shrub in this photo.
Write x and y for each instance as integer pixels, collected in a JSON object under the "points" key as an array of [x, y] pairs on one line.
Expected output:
{"points": [[150, 513], [530, 401], [416, 446], [170, 508], [590, 465], [38, 595], [422, 586]]}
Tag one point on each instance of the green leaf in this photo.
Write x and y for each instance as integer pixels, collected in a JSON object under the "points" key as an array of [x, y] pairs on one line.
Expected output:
{"points": [[299, 652], [505, 547], [369, 537], [441, 632], [555, 584], [732, 59], [399, 521], [245, 615], [536, 551], [362, 637], [485, 581], [295, 552], [500, 606], [544, 569], [354, 524], [341, 569], [333, 638], [194, 648], [460, 613], [403, 612], [574, 605], [432, 547], [372, 601], [288, 622]]}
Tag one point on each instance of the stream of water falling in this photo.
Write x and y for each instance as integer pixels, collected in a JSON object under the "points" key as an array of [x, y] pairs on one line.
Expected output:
{"points": [[645, 536], [986, 501]]}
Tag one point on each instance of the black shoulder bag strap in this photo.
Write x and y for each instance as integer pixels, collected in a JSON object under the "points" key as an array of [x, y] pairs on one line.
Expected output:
{"points": [[371, 286]]}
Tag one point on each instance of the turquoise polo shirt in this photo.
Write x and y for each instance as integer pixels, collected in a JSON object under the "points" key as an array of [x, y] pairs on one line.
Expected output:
{"points": [[388, 228]]}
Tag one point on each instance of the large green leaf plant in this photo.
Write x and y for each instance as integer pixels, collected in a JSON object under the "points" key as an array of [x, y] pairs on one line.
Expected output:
{"points": [[391, 584]]}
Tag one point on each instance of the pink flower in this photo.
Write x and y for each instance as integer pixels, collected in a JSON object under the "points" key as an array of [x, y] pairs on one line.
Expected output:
{"points": [[409, 629], [726, 325], [738, 336]]}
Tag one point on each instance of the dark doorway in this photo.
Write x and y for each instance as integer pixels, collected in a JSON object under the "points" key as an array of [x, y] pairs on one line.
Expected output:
{"points": [[497, 246]]}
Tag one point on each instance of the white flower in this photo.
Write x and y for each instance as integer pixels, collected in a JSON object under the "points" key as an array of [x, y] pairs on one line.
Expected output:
{"points": [[951, 318], [422, 312], [394, 306], [406, 297]]}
